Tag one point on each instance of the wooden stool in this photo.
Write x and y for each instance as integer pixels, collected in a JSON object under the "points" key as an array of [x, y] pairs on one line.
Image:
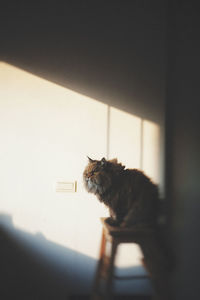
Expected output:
{"points": [[105, 270]]}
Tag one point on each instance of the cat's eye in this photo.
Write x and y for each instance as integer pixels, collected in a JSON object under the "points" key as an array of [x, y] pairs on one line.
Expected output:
{"points": [[91, 173], [96, 169]]}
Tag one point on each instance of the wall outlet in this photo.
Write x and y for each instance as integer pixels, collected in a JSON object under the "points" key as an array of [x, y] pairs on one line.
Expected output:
{"points": [[66, 186]]}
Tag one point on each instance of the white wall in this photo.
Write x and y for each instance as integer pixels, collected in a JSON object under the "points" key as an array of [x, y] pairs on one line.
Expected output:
{"points": [[46, 132]]}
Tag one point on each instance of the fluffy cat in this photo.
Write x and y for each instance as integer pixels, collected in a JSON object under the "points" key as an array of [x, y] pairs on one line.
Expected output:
{"points": [[132, 198]]}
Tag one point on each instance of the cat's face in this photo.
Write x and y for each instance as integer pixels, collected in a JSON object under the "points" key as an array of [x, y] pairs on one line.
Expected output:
{"points": [[96, 176]]}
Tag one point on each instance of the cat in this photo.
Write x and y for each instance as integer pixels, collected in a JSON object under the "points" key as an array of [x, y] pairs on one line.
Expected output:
{"points": [[130, 195], [133, 200]]}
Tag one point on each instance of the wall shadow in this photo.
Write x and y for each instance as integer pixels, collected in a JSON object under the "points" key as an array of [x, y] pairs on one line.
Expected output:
{"points": [[34, 268], [109, 51]]}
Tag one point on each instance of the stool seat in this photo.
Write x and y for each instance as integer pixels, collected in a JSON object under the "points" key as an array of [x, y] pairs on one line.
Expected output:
{"points": [[133, 232], [154, 259], [105, 270]]}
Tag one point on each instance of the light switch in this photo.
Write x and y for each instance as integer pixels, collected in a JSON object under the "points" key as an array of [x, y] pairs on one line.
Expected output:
{"points": [[66, 186]]}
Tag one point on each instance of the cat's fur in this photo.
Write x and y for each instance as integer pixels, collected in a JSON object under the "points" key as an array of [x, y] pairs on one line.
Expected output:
{"points": [[132, 198]]}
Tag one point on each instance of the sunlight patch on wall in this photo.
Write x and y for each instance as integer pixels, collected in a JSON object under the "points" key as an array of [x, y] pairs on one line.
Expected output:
{"points": [[125, 138], [46, 133], [151, 150], [135, 142]]}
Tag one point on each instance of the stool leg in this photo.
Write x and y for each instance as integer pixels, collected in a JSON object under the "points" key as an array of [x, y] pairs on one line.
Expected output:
{"points": [[110, 270]]}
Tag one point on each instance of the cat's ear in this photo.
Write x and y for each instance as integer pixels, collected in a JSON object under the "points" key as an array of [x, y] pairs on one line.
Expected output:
{"points": [[103, 161], [90, 160]]}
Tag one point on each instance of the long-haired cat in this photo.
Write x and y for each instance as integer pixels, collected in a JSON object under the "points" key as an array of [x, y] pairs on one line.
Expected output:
{"points": [[132, 198]]}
